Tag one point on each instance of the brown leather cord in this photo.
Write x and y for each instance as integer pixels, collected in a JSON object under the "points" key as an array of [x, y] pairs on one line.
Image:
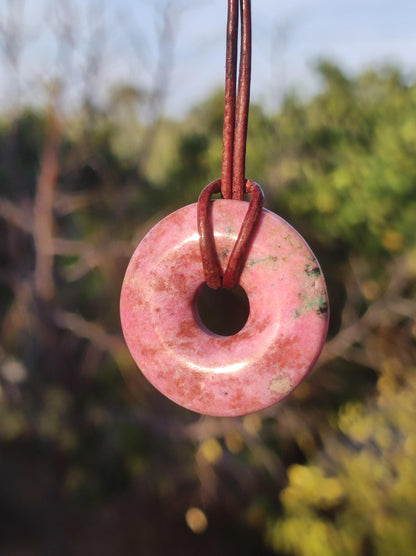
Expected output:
{"points": [[210, 262], [229, 102], [236, 117], [240, 250], [243, 101], [233, 184]]}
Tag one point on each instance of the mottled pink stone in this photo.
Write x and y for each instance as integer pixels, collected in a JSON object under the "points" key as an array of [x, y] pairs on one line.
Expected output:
{"points": [[224, 375]]}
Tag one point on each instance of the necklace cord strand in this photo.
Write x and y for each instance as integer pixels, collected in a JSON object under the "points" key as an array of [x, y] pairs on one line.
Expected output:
{"points": [[210, 262], [243, 102], [230, 100], [232, 184], [209, 256]]}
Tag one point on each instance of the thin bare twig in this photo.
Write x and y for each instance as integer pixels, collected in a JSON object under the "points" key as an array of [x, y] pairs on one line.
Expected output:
{"points": [[91, 331], [16, 216], [390, 310], [43, 209]]}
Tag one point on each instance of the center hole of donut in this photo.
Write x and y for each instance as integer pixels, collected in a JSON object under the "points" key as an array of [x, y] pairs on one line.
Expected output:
{"points": [[223, 312]]}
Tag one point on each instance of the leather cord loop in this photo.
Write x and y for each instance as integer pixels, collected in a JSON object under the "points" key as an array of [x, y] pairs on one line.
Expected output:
{"points": [[210, 261], [232, 184]]}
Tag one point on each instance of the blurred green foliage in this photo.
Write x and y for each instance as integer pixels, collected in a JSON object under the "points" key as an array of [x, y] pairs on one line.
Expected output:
{"points": [[358, 496], [353, 167], [96, 464]]}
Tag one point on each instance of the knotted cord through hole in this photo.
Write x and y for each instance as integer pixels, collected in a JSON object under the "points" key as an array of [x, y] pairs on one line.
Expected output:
{"points": [[233, 184], [210, 262]]}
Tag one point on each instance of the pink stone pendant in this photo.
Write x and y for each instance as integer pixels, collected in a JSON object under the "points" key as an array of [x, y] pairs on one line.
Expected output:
{"points": [[208, 371]]}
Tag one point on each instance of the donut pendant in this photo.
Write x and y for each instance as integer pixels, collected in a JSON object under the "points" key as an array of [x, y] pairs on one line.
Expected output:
{"points": [[221, 246], [212, 373]]}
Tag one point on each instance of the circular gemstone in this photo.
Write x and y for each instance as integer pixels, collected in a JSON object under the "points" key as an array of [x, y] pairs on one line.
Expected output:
{"points": [[211, 373]]}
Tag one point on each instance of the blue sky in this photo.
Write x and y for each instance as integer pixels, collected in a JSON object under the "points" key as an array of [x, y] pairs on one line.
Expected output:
{"points": [[288, 37]]}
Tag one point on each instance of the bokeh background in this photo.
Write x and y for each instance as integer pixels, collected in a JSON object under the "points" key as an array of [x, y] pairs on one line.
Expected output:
{"points": [[110, 118]]}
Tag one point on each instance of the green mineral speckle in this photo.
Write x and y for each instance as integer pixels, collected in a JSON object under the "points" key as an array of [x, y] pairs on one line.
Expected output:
{"points": [[312, 270], [319, 305], [270, 258], [322, 306]]}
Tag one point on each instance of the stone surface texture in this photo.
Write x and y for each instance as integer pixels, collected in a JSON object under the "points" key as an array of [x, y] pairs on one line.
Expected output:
{"points": [[224, 375]]}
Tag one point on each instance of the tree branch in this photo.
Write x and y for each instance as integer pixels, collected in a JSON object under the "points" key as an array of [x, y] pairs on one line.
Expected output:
{"points": [[43, 209]]}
